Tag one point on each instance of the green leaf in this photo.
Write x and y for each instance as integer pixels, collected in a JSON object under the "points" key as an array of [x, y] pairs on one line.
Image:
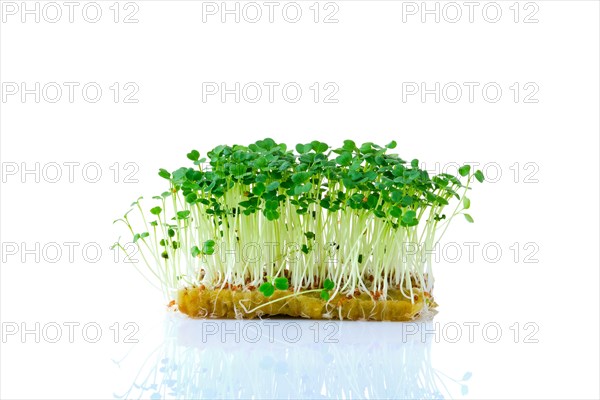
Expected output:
{"points": [[144, 235], [300, 177], [466, 203], [260, 162], [309, 235], [156, 210], [179, 174], [409, 217], [406, 201], [328, 284], [372, 201], [464, 170], [191, 197], [441, 200], [395, 212], [344, 159], [171, 232], [396, 196], [271, 215], [195, 251], [349, 145], [163, 173], [412, 222], [379, 213], [302, 188], [136, 237], [391, 145], [258, 188], [366, 147], [253, 202], [193, 155], [325, 295], [281, 283], [272, 186], [479, 176], [208, 247], [271, 204], [469, 218], [303, 148], [357, 198], [183, 214], [238, 170], [267, 289], [261, 178], [319, 147]]}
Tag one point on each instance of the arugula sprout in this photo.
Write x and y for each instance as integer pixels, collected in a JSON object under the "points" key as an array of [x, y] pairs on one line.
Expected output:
{"points": [[327, 219]]}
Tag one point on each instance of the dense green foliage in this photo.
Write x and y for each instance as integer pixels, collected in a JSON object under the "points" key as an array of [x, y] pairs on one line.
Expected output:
{"points": [[351, 218]]}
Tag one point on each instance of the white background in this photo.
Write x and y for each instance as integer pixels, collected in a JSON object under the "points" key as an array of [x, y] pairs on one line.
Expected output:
{"points": [[547, 203]]}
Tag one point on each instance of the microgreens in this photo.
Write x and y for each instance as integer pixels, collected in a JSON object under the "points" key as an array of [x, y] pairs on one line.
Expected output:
{"points": [[332, 220], [281, 283]]}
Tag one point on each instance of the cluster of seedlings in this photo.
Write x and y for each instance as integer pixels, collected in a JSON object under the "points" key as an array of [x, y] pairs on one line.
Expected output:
{"points": [[316, 232]]}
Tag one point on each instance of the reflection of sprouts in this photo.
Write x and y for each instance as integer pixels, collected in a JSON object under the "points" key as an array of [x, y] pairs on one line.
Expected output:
{"points": [[185, 367], [347, 216]]}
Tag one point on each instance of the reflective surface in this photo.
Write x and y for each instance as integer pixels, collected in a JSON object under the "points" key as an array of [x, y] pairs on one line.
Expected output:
{"points": [[285, 359]]}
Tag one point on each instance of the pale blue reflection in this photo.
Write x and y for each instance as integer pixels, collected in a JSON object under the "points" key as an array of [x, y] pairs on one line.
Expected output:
{"points": [[288, 359]]}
